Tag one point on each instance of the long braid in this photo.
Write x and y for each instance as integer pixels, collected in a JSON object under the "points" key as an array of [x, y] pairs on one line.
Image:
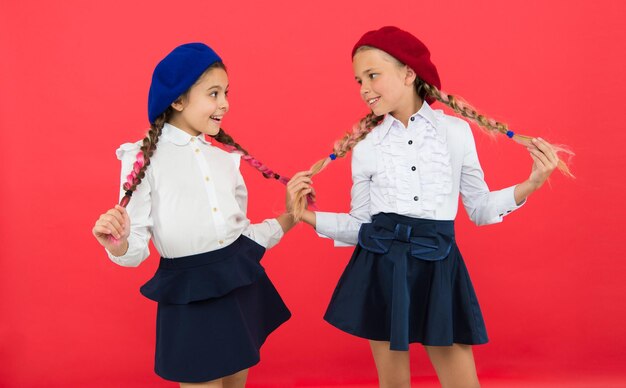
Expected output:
{"points": [[341, 147], [233, 146], [489, 125], [146, 151]]}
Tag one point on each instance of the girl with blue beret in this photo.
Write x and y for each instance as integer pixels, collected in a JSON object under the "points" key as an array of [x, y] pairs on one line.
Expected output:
{"points": [[216, 304]]}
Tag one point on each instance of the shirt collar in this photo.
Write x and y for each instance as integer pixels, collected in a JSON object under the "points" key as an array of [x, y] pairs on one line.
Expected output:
{"points": [[179, 137], [425, 111]]}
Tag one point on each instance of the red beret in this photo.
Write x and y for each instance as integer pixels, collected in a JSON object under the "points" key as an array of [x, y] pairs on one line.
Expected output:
{"points": [[406, 48]]}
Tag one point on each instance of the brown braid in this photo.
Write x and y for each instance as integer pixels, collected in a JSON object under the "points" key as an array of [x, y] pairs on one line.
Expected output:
{"points": [[228, 140], [147, 149], [225, 138]]}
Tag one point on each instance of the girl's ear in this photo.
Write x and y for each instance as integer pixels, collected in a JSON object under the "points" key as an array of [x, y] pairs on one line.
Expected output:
{"points": [[178, 104], [410, 76]]}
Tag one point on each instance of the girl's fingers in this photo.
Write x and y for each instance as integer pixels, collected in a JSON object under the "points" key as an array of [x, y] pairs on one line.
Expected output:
{"points": [[548, 162], [100, 230], [540, 155], [295, 181], [112, 223], [538, 162], [117, 214], [547, 150], [298, 187], [301, 174], [125, 217]]}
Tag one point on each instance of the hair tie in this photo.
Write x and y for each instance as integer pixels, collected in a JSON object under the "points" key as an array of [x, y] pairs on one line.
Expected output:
{"points": [[126, 199], [510, 134], [332, 156]]}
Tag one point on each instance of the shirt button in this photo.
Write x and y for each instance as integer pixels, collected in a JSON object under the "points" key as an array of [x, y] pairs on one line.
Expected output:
{"points": [[416, 198], [193, 139], [206, 178], [412, 118], [413, 168], [410, 142], [221, 242], [214, 209], [197, 149]]}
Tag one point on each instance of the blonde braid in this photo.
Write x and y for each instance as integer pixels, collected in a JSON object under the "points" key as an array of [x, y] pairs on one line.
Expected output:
{"points": [[489, 125], [341, 147]]}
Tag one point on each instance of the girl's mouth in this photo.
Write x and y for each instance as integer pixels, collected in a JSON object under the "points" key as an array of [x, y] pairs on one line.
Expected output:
{"points": [[372, 101]]}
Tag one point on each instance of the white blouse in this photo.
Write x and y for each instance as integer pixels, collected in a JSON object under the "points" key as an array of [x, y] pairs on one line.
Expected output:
{"points": [[192, 200], [416, 171]]}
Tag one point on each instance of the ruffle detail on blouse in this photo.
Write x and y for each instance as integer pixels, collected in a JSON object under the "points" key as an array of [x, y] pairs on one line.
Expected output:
{"points": [[125, 148], [435, 168], [433, 161]]}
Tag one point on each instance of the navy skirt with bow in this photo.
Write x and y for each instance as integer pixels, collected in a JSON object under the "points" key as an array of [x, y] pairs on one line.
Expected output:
{"points": [[405, 283], [215, 310]]}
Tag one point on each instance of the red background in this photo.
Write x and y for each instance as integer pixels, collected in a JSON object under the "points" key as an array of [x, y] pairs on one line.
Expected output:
{"points": [[74, 78]]}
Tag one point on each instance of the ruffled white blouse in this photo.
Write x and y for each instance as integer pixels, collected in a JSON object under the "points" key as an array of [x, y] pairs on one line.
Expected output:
{"points": [[417, 171]]}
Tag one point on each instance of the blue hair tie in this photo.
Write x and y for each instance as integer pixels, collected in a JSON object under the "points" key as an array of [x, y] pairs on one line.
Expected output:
{"points": [[332, 156], [510, 134]]}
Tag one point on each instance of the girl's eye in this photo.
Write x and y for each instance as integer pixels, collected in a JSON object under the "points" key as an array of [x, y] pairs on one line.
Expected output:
{"points": [[373, 75], [359, 82], [213, 94]]}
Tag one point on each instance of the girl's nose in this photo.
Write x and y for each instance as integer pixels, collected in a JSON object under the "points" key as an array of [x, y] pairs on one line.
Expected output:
{"points": [[364, 91], [224, 105]]}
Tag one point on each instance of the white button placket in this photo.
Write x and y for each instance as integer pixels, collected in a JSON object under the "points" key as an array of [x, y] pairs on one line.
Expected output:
{"points": [[209, 186], [412, 132]]}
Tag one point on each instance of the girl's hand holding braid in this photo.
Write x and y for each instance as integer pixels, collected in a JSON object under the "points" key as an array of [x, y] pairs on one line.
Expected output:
{"points": [[300, 182], [112, 230], [545, 161]]}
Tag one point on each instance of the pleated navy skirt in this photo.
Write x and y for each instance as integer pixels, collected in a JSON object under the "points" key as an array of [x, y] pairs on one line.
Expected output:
{"points": [[407, 283], [215, 311]]}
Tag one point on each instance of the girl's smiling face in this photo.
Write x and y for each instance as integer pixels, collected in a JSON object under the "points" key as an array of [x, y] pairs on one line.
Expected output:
{"points": [[203, 107], [386, 84]]}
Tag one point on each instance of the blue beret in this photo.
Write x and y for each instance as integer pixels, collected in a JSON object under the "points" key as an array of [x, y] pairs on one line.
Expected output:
{"points": [[176, 73]]}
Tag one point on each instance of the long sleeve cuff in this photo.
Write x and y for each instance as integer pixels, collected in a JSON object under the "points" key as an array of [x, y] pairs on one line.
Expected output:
{"points": [[505, 202], [267, 233], [132, 258], [344, 232]]}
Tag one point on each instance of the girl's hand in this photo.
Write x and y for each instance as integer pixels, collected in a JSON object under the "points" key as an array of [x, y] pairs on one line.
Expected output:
{"points": [[112, 230], [545, 161], [300, 182]]}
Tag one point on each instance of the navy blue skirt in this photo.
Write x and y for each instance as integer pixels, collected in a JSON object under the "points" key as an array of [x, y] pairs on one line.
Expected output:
{"points": [[214, 312], [405, 283]]}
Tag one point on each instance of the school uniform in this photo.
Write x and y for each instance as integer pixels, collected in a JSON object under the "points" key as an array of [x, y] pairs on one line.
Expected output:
{"points": [[406, 281], [216, 305]]}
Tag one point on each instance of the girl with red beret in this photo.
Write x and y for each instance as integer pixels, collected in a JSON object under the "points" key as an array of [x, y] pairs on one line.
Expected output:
{"points": [[406, 281]]}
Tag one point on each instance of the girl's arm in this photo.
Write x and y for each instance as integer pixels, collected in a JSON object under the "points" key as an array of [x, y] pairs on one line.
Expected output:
{"points": [[487, 207], [482, 205], [125, 233], [268, 232]]}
